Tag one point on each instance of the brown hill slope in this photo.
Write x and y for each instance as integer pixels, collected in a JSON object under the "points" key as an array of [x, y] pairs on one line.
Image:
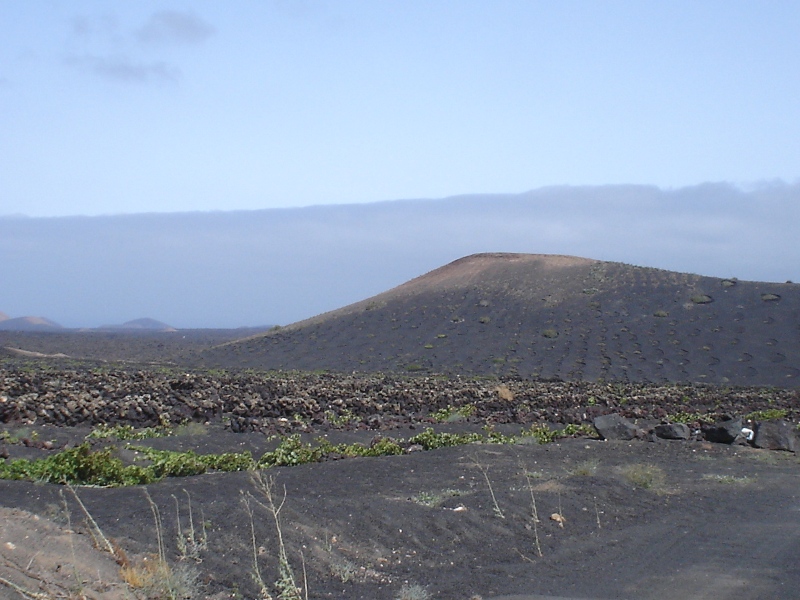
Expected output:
{"points": [[550, 316]]}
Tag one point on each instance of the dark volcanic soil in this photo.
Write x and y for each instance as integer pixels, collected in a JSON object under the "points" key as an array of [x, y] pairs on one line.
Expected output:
{"points": [[115, 346], [634, 519], [638, 520]]}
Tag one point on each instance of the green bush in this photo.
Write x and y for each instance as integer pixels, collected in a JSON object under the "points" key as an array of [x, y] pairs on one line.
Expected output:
{"points": [[82, 466], [771, 414], [126, 432], [79, 466], [166, 463], [495, 437], [381, 447], [452, 413], [541, 433], [291, 452], [430, 440]]}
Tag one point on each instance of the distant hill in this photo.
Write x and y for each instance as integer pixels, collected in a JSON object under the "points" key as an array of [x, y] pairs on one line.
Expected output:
{"points": [[550, 316], [4, 316], [29, 324], [142, 324]]}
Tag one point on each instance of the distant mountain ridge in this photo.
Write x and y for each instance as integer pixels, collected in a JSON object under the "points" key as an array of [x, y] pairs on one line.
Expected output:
{"points": [[144, 324], [550, 316], [28, 324]]}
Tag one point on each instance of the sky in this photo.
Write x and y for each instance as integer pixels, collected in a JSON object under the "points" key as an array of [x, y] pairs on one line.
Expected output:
{"points": [[149, 106]]}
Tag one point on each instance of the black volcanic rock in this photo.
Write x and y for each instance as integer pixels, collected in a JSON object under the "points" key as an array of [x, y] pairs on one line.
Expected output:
{"points": [[545, 317], [302, 402], [673, 431], [726, 431], [775, 435], [614, 427]]}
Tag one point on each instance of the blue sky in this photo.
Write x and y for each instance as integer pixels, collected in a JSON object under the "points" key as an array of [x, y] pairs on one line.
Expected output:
{"points": [[126, 107]]}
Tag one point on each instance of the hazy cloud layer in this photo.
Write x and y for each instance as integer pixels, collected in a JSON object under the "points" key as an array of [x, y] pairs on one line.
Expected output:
{"points": [[175, 27], [231, 269]]}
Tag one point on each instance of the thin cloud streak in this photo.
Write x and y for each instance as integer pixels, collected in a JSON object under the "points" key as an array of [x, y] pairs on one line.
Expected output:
{"points": [[121, 68], [111, 54], [172, 27]]}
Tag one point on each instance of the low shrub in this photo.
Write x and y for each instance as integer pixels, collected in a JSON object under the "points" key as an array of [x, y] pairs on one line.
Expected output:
{"points": [[291, 452], [167, 463], [79, 466], [453, 413], [644, 476], [727, 479], [83, 466], [430, 440], [541, 433], [770, 414], [126, 433], [687, 417]]}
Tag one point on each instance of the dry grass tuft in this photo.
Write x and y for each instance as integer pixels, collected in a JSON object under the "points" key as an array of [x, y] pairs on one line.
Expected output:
{"points": [[504, 393], [644, 476], [413, 591], [586, 468]]}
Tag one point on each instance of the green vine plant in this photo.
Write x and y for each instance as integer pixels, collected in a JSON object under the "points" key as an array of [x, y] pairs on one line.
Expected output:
{"points": [[82, 465]]}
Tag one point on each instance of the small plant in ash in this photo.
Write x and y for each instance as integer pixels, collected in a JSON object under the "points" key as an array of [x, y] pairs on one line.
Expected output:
{"points": [[413, 591], [454, 413], [770, 414], [485, 472], [644, 476], [286, 584], [586, 468], [126, 432]]}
